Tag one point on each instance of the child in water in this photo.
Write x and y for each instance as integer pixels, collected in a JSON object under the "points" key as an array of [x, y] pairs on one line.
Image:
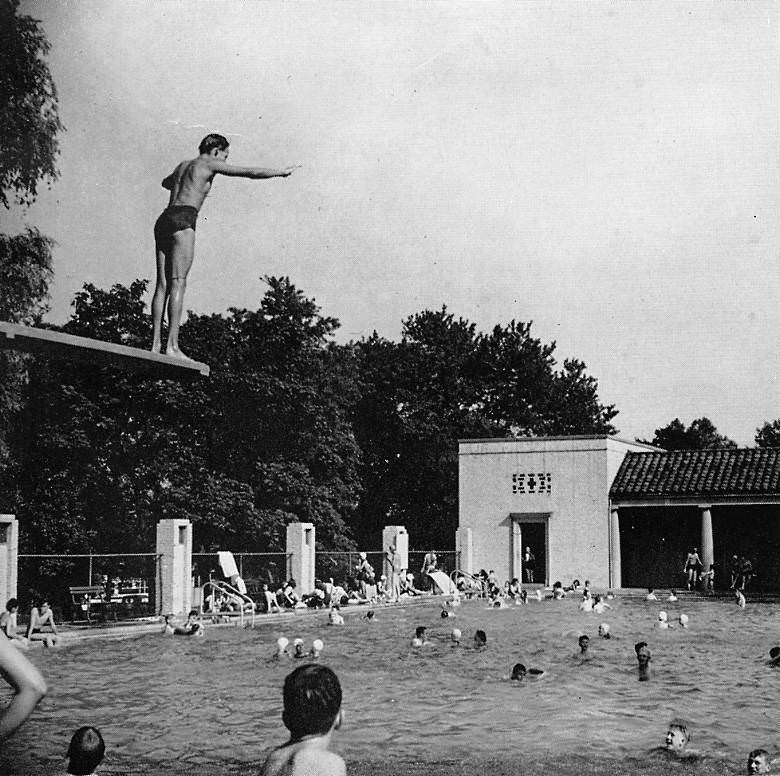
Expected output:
{"points": [[758, 762], [419, 636], [480, 639], [677, 740], [312, 712], [520, 672], [584, 642], [334, 617], [298, 653]]}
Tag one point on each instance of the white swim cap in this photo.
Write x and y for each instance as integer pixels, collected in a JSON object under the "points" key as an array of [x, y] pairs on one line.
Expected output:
{"points": [[683, 619], [298, 641], [604, 627], [317, 644], [282, 642], [456, 634], [662, 616]]}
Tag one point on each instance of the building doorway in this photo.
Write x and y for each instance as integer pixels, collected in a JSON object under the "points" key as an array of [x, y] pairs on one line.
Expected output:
{"points": [[529, 548]]}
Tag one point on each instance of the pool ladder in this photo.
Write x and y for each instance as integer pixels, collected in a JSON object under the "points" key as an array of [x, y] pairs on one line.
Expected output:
{"points": [[227, 591]]}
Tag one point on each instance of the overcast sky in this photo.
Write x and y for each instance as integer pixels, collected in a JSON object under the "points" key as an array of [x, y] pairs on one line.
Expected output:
{"points": [[606, 170]]}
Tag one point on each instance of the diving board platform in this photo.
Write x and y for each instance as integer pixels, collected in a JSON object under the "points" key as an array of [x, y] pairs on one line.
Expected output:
{"points": [[14, 336]]}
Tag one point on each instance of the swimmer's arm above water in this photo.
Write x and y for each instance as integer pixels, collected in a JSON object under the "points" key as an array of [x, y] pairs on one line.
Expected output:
{"points": [[29, 688]]}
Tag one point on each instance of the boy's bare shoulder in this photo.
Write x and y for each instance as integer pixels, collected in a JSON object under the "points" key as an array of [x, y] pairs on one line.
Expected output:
{"points": [[303, 761]]}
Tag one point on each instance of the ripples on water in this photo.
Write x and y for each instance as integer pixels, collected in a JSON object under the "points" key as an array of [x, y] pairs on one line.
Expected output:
{"points": [[213, 705]]}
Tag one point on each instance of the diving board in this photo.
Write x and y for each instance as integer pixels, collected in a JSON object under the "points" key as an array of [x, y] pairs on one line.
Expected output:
{"points": [[13, 336]]}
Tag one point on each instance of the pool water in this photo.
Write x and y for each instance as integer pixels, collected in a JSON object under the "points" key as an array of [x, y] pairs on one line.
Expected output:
{"points": [[213, 705]]}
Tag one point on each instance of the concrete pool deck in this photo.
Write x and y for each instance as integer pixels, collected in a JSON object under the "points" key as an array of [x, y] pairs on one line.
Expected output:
{"points": [[116, 630]]}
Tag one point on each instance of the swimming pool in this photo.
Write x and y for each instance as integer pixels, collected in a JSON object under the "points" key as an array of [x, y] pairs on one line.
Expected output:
{"points": [[213, 705]]}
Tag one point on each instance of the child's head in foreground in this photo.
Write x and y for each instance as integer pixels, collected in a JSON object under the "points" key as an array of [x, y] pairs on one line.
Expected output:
{"points": [[86, 751], [758, 761], [677, 736], [312, 701]]}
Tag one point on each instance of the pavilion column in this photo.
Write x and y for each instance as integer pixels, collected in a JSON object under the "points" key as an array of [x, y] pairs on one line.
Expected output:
{"points": [[615, 577], [707, 547]]}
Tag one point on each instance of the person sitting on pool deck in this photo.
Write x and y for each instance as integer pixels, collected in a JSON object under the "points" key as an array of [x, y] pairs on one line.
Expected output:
{"points": [[42, 626], [86, 751], [271, 604], [312, 712], [758, 762], [8, 624], [28, 688]]}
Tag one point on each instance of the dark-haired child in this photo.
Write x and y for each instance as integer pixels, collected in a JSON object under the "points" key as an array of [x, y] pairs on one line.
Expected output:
{"points": [[312, 711]]}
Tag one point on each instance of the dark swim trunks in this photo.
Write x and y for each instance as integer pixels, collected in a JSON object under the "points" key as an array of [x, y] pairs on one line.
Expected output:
{"points": [[173, 219]]}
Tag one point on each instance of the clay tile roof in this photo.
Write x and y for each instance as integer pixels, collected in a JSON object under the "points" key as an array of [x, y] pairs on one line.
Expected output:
{"points": [[727, 472]]}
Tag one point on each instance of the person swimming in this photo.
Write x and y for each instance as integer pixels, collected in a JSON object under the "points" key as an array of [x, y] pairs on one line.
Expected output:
{"points": [[316, 647], [191, 626], [369, 615], [455, 636], [663, 620], [584, 642], [520, 672], [281, 647], [298, 653], [334, 616], [758, 762], [643, 658], [480, 639], [683, 620], [774, 656], [445, 614], [419, 636], [604, 631]]}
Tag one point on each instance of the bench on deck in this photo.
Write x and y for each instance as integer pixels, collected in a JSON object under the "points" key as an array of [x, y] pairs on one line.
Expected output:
{"points": [[90, 599]]}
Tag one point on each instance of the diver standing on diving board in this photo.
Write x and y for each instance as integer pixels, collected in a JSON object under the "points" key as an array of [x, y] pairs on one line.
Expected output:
{"points": [[174, 232]]}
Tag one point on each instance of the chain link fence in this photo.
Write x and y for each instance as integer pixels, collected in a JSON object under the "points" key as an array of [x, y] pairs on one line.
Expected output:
{"points": [[123, 585]]}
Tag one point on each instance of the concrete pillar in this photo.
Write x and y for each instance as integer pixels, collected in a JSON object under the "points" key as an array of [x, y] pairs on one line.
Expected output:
{"points": [[464, 548], [174, 566], [301, 556], [707, 547], [395, 535], [615, 559], [9, 554]]}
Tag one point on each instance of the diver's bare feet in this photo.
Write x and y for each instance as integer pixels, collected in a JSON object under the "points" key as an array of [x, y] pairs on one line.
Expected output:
{"points": [[176, 353]]}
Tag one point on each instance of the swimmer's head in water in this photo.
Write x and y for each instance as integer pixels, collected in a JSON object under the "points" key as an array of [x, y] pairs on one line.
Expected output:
{"points": [[444, 613], [518, 672], [758, 761], [317, 645], [584, 642], [643, 655], [684, 620], [86, 750], [370, 614], [677, 736], [662, 616], [604, 630], [455, 635], [419, 632], [480, 638]]}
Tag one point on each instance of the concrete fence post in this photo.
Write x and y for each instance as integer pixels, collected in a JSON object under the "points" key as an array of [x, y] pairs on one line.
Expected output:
{"points": [[9, 557], [174, 566]]}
